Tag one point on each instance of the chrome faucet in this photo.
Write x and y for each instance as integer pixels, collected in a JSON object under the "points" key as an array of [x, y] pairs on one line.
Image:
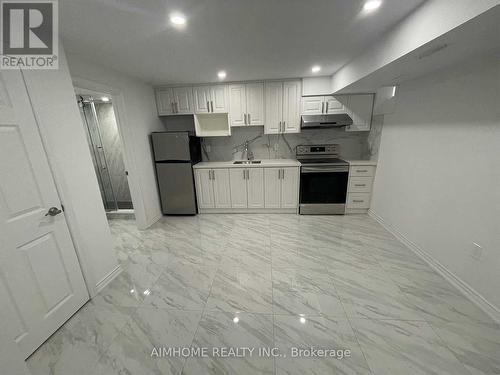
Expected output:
{"points": [[247, 153]]}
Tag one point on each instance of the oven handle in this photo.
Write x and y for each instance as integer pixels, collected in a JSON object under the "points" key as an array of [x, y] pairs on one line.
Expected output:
{"points": [[328, 169]]}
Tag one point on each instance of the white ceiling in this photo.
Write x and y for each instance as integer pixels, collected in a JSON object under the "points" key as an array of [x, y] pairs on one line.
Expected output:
{"points": [[250, 39]]}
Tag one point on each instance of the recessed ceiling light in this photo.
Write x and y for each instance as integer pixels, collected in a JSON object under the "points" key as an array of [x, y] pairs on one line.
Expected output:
{"points": [[105, 99], [315, 68], [177, 19], [236, 319], [221, 74], [372, 5]]}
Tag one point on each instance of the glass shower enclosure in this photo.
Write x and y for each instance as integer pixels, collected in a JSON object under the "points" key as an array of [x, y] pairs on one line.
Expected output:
{"points": [[105, 146]]}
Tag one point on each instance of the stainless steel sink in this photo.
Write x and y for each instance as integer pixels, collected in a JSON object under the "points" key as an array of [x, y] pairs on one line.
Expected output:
{"points": [[247, 162]]}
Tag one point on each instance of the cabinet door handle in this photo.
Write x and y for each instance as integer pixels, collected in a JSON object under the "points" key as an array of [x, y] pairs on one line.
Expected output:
{"points": [[282, 174], [326, 107], [279, 174], [213, 175], [212, 105], [361, 170], [248, 174], [323, 107], [173, 108], [248, 118], [284, 126], [245, 118], [208, 106], [358, 200], [244, 175], [359, 184]]}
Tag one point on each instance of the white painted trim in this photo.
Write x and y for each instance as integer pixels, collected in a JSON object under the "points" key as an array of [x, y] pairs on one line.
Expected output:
{"points": [[107, 279], [248, 210], [151, 222], [136, 192], [469, 292]]}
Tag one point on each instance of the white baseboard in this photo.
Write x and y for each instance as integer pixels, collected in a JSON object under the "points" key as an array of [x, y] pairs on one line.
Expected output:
{"points": [[248, 210], [469, 292], [108, 278], [150, 222]]}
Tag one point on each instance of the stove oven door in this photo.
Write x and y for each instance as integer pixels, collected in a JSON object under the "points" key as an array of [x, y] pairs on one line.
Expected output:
{"points": [[323, 189]]}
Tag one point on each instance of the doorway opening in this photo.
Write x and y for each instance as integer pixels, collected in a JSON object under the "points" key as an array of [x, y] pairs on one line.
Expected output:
{"points": [[106, 148]]}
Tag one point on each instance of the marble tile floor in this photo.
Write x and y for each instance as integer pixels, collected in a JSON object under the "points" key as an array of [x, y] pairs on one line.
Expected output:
{"points": [[272, 281]]}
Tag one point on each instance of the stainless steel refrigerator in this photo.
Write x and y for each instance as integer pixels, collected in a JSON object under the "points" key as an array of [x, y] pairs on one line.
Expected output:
{"points": [[175, 153]]}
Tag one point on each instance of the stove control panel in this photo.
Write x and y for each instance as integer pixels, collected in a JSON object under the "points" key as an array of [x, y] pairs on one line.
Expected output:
{"points": [[332, 149]]}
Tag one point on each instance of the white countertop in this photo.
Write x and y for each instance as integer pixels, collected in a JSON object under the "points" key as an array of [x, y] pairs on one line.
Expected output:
{"points": [[264, 164], [361, 162]]}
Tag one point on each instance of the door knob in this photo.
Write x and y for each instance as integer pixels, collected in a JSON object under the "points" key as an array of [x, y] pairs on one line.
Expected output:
{"points": [[53, 211]]}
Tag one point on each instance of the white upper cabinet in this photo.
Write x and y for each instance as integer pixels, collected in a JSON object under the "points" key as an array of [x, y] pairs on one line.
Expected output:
{"points": [[321, 105], [183, 100], [174, 101], [246, 103], [333, 105], [274, 107], [201, 96], [237, 105], [313, 105], [255, 103], [291, 106], [211, 99], [219, 102], [360, 108], [282, 107], [164, 101]]}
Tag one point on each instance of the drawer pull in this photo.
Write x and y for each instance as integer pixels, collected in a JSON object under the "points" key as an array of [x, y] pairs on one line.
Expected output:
{"points": [[358, 200], [361, 170], [359, 184]]}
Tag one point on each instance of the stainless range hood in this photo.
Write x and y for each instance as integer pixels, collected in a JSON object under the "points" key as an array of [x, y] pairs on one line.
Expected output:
{"points": [[325, 121]]}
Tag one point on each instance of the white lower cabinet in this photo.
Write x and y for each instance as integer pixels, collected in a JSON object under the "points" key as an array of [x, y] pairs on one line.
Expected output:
{"points": [[359, 190], [281, 187], [247, 189], [204, 188], [237, 177], [222, 191], [212, 188], [289, 188], [272, 195], [255, 187]]}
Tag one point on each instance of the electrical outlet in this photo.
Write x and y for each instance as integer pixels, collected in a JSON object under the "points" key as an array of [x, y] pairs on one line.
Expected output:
{"points": [[477, 251]]}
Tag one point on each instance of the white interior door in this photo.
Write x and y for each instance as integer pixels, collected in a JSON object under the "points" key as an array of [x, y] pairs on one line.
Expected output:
{"points": [[39, 268]]}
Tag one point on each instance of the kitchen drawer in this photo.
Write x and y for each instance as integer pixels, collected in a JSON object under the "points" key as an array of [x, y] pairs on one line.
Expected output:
{"points": [[360, 184], [358, 200], [362, 170]]}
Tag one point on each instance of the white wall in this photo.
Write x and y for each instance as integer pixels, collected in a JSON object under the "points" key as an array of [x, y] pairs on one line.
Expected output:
{"points": [[52, 95], [438, 177], [428, 22], [136, 123]]}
